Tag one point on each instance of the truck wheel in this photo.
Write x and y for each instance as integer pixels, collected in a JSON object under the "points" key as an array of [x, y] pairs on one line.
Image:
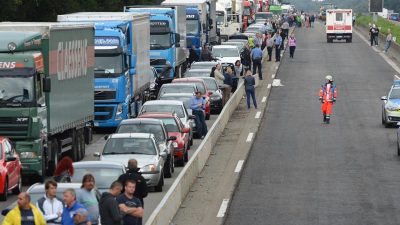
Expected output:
{"points": [[88, 135], [83, 147], [55, 157], [75, 149], [3, 197]]}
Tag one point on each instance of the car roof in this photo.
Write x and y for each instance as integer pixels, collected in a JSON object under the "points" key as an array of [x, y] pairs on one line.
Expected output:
{"points": [[180, 84], [158, 115], [205, 63], [141, 121], [177, 95], [97, 164], [187, 79], [225, 46], [199, 70], [39, 186], [163, 102], [131, 135]]}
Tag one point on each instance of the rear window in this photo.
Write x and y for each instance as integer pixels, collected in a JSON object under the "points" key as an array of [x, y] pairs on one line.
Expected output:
{"points": [[164, 108], [200, 87], [339, 16], [154, 129]]}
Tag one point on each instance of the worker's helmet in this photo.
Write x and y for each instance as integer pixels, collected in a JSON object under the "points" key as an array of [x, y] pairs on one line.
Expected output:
{"points": [[329, 78]]}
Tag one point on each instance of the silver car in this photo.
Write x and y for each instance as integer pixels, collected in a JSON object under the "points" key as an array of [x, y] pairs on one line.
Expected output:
{"points": [[203, 65], [143, 147], [198, 72]]}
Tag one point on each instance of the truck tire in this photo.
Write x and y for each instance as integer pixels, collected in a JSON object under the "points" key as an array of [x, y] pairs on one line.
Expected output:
{"points": [[75, 148], [83, 146], [55, 156], [88, 131]]}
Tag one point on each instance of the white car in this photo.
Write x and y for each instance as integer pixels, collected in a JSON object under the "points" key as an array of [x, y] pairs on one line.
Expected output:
{"points": [[203, 65], [238, 44], [226, 53]]}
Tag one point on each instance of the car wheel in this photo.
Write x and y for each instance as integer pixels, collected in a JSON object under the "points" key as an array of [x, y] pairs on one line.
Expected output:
{"points": [[160, 184], [167, 168], [3, 197], [18, 188]]}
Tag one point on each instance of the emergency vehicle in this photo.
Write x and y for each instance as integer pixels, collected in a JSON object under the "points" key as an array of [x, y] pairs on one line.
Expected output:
{"points": [[339, 25]]}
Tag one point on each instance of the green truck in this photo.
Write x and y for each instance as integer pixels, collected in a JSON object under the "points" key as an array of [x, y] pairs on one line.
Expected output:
{"points": [[46, 91], [275, 9]]}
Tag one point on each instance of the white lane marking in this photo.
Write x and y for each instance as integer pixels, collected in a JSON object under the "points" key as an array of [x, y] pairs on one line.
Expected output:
{"points": [[258, 114], [273, 76], [249, 137], [239, 166], [264, 99], [222, 208], [277, 83], [269, 86]]}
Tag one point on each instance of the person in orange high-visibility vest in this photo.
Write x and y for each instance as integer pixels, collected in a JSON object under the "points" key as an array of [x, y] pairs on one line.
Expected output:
{"points": [[327, 96]]}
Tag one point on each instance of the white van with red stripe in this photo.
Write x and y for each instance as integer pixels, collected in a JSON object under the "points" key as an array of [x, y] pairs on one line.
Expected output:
{"points": [[339, 25]]}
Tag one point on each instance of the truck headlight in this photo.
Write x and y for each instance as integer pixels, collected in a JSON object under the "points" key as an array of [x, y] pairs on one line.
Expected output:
{"points": [[28, 155], [148, 168]]}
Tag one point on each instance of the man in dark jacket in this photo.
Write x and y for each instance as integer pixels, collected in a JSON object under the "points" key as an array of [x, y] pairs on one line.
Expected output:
{"points": [[133, 174], [108, 205]]}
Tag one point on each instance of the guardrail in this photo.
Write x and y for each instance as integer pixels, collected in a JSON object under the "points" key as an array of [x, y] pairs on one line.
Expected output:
{"points": [[169, 205]]}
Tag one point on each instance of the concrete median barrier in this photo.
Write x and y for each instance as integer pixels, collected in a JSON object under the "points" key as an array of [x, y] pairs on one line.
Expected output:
{"points": [[169, 205]]}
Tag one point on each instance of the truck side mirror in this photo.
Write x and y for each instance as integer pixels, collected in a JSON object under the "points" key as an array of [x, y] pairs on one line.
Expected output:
{"points": [[46, 84], [177, 40]]}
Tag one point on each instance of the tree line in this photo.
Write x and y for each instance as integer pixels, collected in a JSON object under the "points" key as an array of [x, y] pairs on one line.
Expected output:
{"points": [[47, 10]]}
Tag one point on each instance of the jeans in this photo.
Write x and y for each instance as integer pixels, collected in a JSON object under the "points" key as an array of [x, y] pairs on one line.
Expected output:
{"points": [[257, 66], [250, 92], [292, 48], [277, 53], [269, 50], [201, 125], [387, 45]]}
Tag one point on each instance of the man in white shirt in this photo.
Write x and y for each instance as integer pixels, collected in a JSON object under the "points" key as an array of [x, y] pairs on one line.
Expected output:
{"points": [[50, 205]]}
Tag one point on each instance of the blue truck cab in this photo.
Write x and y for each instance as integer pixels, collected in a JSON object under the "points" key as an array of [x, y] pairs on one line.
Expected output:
{"points": [[167, 37], [194, 29], [116, 65]]}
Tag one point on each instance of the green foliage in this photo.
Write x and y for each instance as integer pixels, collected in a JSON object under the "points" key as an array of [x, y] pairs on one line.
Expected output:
{"points": [[47, 10], [382, 24]]}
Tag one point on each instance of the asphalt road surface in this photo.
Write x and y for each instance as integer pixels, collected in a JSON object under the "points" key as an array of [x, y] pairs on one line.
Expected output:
{"points": [[301, 171]]}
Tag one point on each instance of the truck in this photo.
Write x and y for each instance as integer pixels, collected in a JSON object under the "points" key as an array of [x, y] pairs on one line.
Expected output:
{"points": [[122, 63], [385, 13], [227, 23], [167, 37], [197, 21], [339, 25], [46, 92]]}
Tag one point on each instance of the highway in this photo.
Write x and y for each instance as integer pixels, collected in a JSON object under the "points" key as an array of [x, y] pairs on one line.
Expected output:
{"points": [[301, 171]]}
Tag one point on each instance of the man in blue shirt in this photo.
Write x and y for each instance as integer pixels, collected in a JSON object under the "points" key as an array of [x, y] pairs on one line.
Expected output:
{"points": [[278, 43], [71, 206], [256, 57], [198, 105]]}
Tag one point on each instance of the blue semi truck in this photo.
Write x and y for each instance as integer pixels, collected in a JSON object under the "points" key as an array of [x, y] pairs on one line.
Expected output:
{"points": [[122, 63], [194, 29], [167, 37]]}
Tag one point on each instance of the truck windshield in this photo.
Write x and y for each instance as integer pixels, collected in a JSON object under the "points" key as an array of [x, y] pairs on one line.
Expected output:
{"points": [[160, 41], [16, 90], [108, 65], [192, 27]]}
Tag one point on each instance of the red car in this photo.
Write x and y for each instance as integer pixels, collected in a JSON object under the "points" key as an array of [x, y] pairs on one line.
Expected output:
{"points": [[10, 169], [175, 128], [201, 86]]}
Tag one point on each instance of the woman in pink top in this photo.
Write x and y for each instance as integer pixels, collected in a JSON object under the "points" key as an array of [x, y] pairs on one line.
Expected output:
{"points": [[292, 45]]}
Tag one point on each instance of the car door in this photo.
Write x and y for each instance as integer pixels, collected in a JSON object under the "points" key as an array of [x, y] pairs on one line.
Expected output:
{"points": [[8, 152]]}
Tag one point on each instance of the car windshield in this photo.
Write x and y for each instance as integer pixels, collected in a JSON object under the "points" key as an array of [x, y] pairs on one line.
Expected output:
{"points": [[164, 108], [211, 84], [184, 99], [170, 124], [263, 15], [103, 176], [108, 65], [192, 27], [16, 90], [238, 44], [395, 93], [225, 52], [220, 18], [129, 145], [202, 66], [155, 129], [160, 41], [177, 89], [200, 87], [197, 73]]}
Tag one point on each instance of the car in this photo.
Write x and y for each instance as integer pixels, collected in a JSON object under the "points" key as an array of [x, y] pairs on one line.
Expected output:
{"points": [[226, 53], [175, 128], [177, 88], [203, 65], [10, 169], [198, 73], [244, 41], [238, 36], [156, 83], [398, 139], [156, 127], [216, 96], [104, 172], [201, 86], [144, 148], [253, 29], [391, 105], [177, 107], [263, 16], [239, 44]]}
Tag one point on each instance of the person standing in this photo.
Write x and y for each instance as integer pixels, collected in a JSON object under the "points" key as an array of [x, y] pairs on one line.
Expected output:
{"points": [[278, 43], [206, 54], [71, 206], [227, 84], [374, 34], [130, 205], [50, 205], [292, 45], [198, 105], [389, 39], [25, 213], [219, 77], [270, 46], [327, 96], [88, 197], [108, 205], [193, 57], [238, 68], [256, 57], [64, 170], [249, 83], [285, 30], [133, 173], [245, 57]]}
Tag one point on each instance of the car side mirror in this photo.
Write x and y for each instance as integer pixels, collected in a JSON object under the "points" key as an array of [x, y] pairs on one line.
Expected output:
{"points": [[384, 98], [11, 159], [172, 138], [46, 84], [186, 130], [96, 154]]}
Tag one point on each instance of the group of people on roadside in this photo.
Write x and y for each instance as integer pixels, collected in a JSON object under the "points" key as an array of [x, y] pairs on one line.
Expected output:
{"points": [[374, 37], [122, 204]]}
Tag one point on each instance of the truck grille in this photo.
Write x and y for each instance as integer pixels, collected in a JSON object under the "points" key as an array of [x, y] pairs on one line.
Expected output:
{"points": [[14, 127], [107, 112], [104, 95]]}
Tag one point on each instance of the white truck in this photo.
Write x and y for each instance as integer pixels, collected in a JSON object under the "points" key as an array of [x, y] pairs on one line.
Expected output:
{"points": [[339, 25], [227, 23]]}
